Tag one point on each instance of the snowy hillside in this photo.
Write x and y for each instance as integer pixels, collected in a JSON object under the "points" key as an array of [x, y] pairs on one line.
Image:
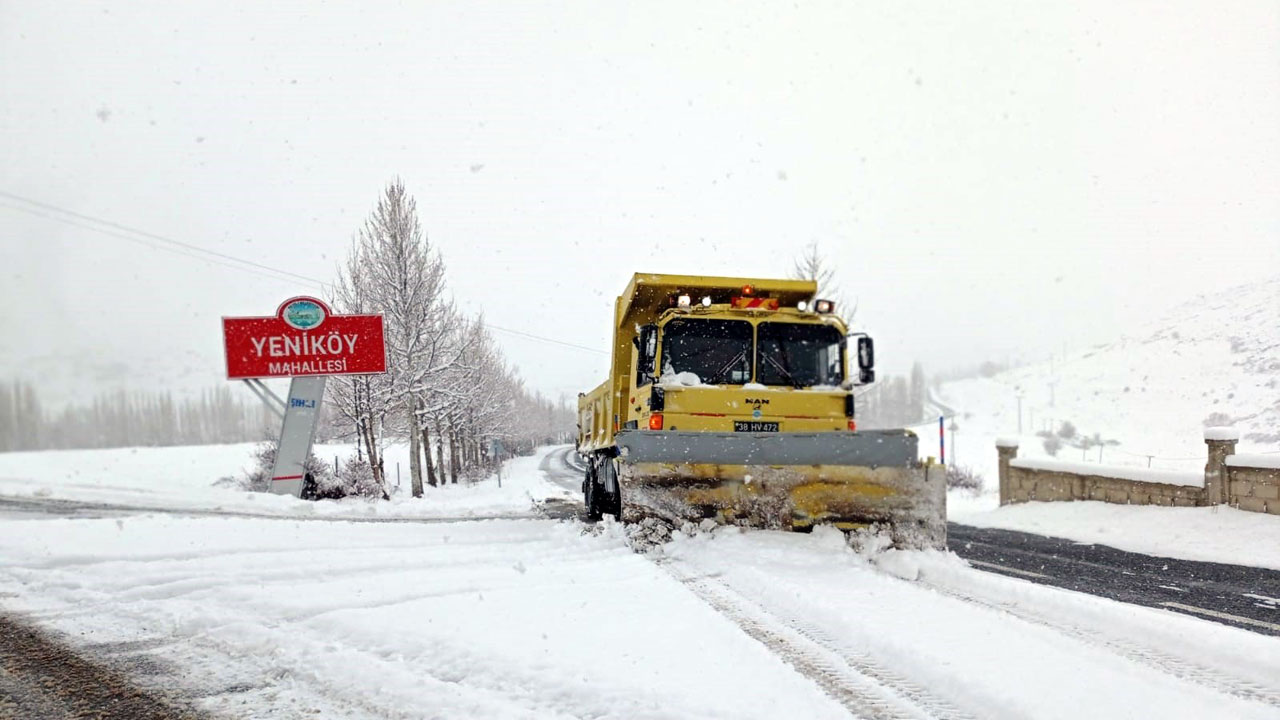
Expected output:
{"points": [[1212, 360]]}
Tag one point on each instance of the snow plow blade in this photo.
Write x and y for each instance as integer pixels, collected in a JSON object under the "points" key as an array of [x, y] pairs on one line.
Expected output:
{"points": [[869, 479]]}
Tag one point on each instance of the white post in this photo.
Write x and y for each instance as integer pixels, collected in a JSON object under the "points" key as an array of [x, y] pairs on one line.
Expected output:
{"points": [[302, 410]]}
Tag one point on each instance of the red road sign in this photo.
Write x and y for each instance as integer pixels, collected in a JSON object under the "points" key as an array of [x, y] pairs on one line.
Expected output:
{"points": [[304, 338]]}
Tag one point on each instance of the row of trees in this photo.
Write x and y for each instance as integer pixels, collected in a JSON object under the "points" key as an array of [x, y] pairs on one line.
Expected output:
{"points": [[449, 392], [122, 418], [894, 401]]}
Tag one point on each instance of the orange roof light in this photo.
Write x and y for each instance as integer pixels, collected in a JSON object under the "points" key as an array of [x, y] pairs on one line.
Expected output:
{"points": [[748, 290]]}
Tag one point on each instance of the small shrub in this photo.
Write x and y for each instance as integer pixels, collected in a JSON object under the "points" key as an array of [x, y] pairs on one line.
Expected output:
{"points": [[473, 474], [353, 479], [962, 477], [1067, 431], [258, 477]]}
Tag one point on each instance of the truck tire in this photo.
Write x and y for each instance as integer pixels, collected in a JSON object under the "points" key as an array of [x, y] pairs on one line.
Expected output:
{"points": [[610, 503], [591, 493]]}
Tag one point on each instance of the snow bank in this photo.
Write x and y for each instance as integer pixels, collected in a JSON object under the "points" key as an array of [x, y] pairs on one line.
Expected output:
{"points": [[1221, 433], [1167, 477], [1267, 462], [1212, 534]]}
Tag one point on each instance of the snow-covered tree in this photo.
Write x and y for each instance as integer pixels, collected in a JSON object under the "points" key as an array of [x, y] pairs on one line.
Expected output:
{"points": [[393, 270]]}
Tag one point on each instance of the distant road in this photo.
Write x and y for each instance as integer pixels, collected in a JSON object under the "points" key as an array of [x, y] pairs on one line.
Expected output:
{"points": [[564, 468], [1245, 597]]}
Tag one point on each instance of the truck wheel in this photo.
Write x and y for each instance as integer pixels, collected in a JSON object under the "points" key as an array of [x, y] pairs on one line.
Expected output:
{"points": [[610, 502], [614, 506], [591, 493]]}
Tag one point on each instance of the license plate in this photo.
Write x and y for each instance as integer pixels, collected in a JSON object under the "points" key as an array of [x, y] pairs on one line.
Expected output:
{"points": [[741, 426]]}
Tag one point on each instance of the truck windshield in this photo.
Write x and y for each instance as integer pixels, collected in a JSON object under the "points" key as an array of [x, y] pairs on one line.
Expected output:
{"points": [[717, 351], [799, 355]]}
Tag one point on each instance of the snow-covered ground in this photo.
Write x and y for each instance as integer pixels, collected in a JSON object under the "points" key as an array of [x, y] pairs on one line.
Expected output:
{"points": [[1213, 360], [187, 477], [275, 617]]}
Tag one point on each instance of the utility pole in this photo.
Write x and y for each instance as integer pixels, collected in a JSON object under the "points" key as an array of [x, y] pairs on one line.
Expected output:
{"points": [[1019, 412]]}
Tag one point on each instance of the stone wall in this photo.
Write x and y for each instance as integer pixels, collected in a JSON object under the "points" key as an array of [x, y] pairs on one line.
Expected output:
{"points": [[1249, 482], [1253, 483]]}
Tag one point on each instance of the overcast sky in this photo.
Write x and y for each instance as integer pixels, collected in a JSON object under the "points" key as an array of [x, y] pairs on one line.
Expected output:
{"points": [[991, 179]]}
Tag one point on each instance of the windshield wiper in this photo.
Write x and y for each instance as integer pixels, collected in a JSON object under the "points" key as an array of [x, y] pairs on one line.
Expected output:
{"points": [[786, 374], [725, 367]]}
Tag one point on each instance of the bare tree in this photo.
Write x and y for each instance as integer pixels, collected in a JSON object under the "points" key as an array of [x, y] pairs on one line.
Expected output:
{"points": [[811, 264]]}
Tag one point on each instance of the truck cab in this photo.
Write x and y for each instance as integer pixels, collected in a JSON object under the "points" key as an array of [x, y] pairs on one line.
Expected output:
{"points": [[711, 366]]}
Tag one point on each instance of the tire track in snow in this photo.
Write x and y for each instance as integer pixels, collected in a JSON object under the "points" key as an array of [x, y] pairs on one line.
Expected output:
{"points": [[863, 687], [1159, 660]]}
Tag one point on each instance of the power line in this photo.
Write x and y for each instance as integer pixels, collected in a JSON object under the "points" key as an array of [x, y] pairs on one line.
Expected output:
{"points": [[160, 242], [140, 241], [154, 236], [546, 339]]}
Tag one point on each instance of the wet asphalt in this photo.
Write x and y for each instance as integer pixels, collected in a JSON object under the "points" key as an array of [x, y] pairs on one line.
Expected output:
{"points": [[1245, 597]]}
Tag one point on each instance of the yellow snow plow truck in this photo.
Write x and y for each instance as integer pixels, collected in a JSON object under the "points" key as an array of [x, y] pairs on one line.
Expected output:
{"points": [[731, 399]]}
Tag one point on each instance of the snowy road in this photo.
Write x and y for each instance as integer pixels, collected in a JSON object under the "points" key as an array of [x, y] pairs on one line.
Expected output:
{"points": [[1246, 597], [277, 617]]}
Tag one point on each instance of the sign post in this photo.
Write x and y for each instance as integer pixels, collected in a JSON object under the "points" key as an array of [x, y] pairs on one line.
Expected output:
{"points": [[304, 341]]}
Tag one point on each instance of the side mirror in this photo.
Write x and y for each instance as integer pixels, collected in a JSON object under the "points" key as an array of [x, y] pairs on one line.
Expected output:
{"points": [[866, 350], [649, 344], [646, 343]]}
